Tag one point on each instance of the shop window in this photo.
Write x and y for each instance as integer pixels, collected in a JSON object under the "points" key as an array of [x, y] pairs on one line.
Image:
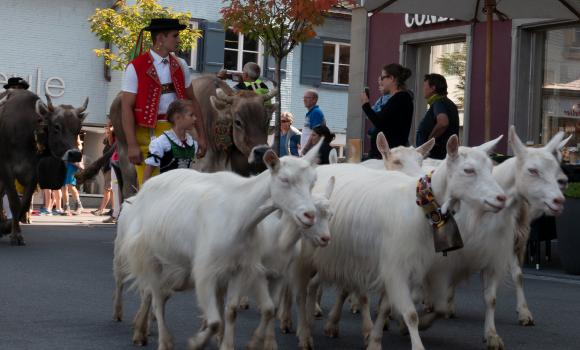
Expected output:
{"points": [[335, 63], [450, 61], [240, 50], [561, 88]]}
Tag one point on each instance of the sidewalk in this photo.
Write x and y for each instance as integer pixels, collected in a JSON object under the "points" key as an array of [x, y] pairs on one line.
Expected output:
{"points": [[84, 219]]}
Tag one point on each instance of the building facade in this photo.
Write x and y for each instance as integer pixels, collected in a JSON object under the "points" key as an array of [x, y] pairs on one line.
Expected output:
{"points": [[535, 75], [51, 46]]}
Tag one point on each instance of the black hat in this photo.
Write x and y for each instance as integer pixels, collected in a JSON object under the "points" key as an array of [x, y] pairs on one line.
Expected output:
{"points": [[158, 24], [16, 81]]}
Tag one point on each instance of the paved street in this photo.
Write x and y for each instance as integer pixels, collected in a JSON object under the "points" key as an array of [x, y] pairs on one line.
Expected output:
{"points": [[55, 293]]}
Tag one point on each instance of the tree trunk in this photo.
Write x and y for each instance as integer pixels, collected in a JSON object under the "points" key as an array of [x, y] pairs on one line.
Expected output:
{"points": [[278, 79]]}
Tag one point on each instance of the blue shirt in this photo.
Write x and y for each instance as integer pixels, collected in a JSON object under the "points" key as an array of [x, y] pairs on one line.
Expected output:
{"points": [[314, 118]]}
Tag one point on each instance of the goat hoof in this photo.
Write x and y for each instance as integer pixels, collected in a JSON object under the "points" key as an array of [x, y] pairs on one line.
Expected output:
{"points": [[494, 342], [318, 314], [374, 346], [331, 330], [307, 344], [286, 327], [526, 319], [529, 322], [270, 344], [141, 341]]}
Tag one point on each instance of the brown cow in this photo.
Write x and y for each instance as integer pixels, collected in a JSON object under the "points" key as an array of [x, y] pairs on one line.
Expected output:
{"points": [[35, 136], [242, 122]]}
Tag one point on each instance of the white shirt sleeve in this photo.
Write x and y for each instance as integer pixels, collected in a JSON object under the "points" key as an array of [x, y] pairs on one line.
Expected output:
{"points": [[157, 147], [130, 80], [186, 73]]}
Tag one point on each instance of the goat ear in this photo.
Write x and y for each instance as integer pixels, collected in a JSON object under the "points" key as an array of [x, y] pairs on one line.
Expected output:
{"points": [[332, 156], [312, 154], [271, 160], [561, 145], [217, 104], [564, 142], [554, 145], [329, 187], [383, 145], [517, 145], [489, 146], [425, 148], [453, 147]]}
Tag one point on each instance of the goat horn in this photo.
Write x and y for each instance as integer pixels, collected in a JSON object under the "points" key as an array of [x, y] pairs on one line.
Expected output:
{"points": [[223, 96], [270, 94]]}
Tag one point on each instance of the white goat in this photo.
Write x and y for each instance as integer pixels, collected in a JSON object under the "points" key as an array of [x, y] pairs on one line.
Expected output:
{"points": [[191, 225], [381, 239], [276, 243], [532, 180], [525, 317], [407, 160]]}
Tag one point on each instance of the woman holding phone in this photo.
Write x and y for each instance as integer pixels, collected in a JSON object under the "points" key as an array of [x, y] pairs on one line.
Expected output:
{"points": [[395, 117]]}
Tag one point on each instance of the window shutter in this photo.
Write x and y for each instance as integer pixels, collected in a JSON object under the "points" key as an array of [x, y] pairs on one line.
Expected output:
{"points": [[214, 37], [311, 62]]}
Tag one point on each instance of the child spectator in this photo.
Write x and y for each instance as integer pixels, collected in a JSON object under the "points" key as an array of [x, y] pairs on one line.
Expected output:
{"points": [[175, 148]]}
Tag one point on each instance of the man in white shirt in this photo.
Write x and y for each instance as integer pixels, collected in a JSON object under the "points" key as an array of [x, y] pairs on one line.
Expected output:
{"points": [[151, 82]]}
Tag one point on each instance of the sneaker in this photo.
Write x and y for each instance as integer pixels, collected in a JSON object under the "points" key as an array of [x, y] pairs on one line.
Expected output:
{"points": [[110, 220], [57, 212], [97, 212], [109, 213], [44, 211]]}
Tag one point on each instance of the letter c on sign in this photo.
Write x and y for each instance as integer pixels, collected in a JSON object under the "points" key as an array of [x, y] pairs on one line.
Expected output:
{"points": [[409, 20]]}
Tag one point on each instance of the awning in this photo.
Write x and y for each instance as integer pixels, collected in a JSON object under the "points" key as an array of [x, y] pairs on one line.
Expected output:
{"points": [[469, 9]]}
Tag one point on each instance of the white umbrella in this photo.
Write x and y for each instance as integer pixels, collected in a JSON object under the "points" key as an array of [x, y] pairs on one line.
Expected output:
{"points": [[479, 10]]}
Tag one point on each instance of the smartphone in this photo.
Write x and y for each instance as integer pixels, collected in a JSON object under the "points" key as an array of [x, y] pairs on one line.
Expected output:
{"points": [[368, 92]]}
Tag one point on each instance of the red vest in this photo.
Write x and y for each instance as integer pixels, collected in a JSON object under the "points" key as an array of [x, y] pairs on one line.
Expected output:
{"points": [[149, 88]]}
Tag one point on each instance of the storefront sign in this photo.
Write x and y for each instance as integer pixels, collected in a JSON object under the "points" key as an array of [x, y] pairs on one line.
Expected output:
{"points": [[53, 86], [421, 20]]}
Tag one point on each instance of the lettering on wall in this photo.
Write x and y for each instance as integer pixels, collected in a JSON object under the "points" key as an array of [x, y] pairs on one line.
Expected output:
{"points": [[53, 86], [412, 20]]}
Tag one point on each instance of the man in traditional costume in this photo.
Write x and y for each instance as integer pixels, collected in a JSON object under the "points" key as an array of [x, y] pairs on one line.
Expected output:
{"points": [[151, 82]]}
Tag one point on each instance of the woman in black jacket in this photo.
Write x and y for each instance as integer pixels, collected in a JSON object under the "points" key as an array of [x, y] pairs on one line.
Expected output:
{"points": [[395, 117], [322, 131]]}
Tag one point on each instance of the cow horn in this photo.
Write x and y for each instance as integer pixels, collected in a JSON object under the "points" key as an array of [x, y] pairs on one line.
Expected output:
{"points": [[82, 108], [49, 102], [223, 96], [270, 94]]}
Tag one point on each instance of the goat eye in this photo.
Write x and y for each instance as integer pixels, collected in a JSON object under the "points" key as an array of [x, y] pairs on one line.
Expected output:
{"points": [[397, 162], [563, 182], [533, 172], [284, 180], [238, 123], [469, 171]]}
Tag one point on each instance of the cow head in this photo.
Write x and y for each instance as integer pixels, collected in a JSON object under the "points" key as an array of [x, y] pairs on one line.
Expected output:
{"points": [[62, 125], [249, 117]]}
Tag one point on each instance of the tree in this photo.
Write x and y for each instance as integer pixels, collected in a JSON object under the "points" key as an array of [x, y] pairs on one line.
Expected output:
{"points": [[122, 24], [280, 25]]}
